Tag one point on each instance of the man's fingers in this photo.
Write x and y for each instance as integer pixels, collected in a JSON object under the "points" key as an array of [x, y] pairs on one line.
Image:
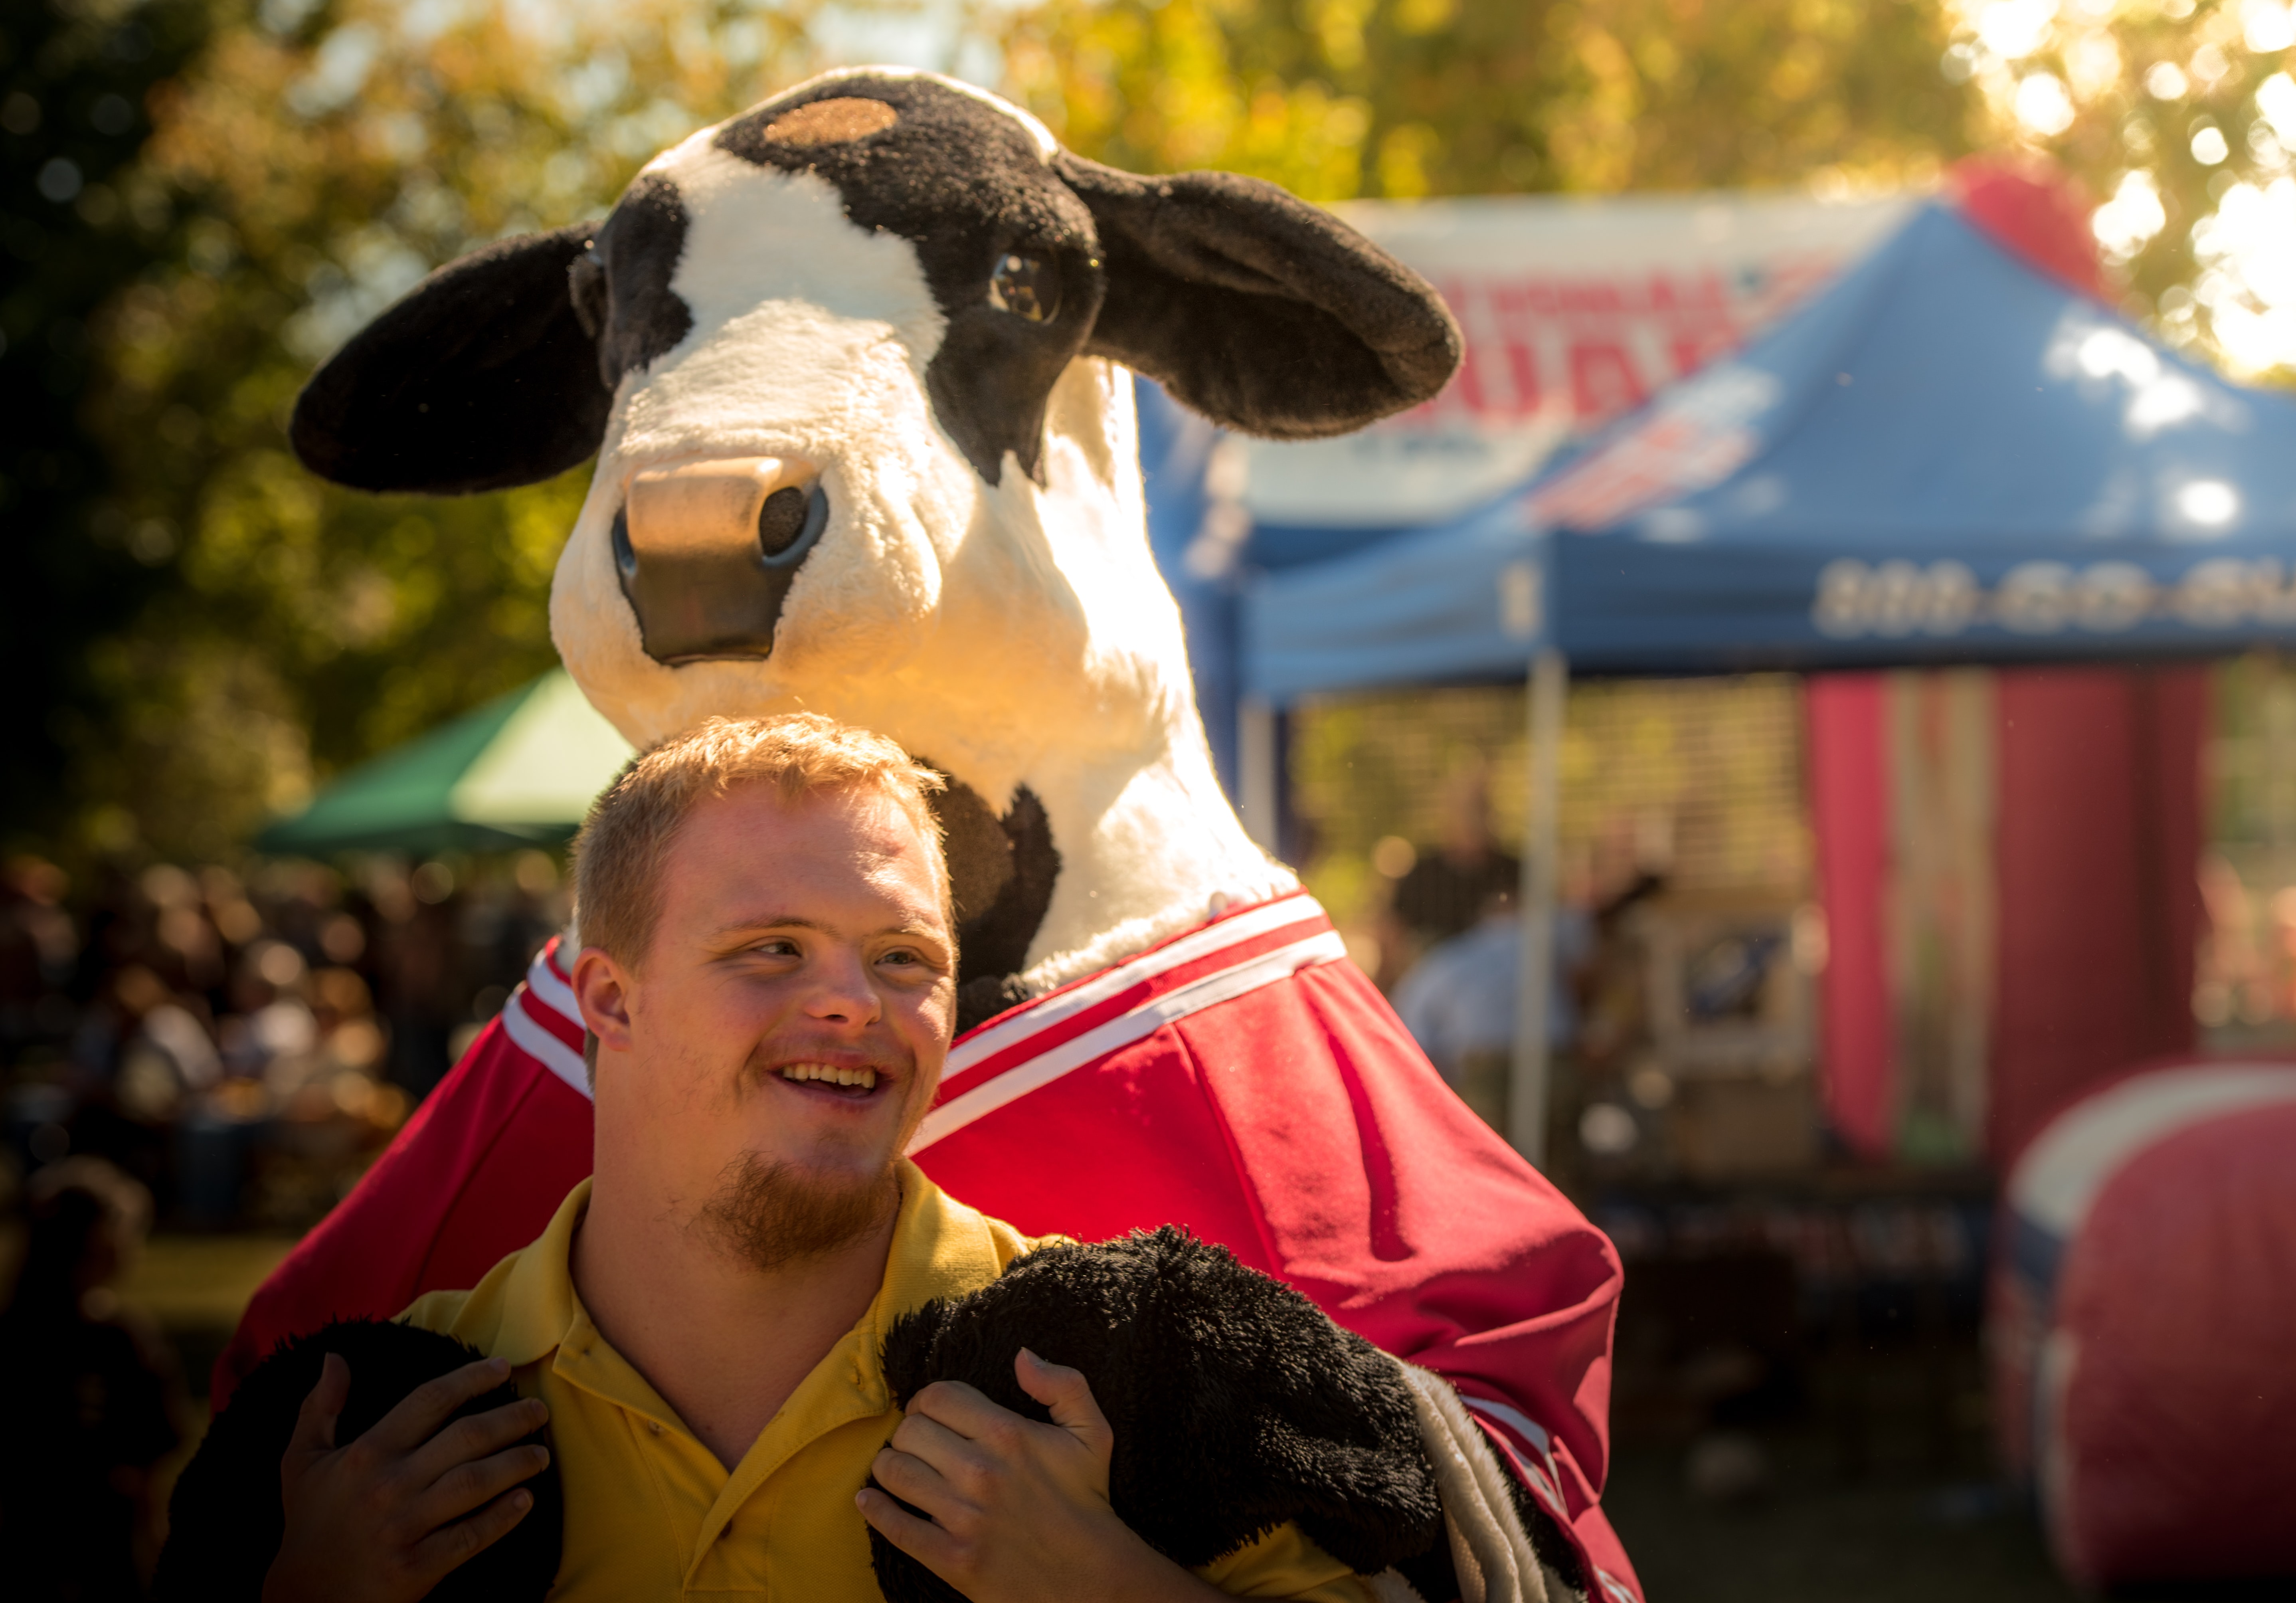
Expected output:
{"points": [[422, 1410], [920, 1539], [964, 1409], [915, 1482], [936, 1446], [468, 1440], [469, 1486], [1067, 1394], [465, 1539], [314, 1421]]}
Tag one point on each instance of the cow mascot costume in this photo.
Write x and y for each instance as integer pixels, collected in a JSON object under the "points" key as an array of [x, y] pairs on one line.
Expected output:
{"points": [[852, 367]]}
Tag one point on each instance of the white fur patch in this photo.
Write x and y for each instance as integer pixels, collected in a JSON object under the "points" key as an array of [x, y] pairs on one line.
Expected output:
{"points": [[756, 236]]}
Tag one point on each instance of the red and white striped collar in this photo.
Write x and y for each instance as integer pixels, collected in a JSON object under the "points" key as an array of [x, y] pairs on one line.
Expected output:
{"points": [[1038, 1041], [541, 1019], [1087, 1019]]}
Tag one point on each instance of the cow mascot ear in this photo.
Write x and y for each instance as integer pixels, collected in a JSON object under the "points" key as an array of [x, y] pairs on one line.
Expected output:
{"points": [[1257, 310], [482, 377]]}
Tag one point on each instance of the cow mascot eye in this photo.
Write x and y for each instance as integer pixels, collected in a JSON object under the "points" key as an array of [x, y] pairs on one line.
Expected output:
{"points": [[1026, 284]]}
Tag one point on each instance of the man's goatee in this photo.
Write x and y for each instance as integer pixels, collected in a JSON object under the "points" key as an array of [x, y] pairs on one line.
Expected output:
{"points": [[769, 1214]]}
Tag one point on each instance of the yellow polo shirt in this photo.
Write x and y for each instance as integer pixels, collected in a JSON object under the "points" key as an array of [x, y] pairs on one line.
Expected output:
{"points": [[650, 1512]]}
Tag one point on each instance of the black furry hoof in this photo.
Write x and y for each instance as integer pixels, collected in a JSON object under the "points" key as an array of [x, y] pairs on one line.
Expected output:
{"points": [[1237, 1405]]}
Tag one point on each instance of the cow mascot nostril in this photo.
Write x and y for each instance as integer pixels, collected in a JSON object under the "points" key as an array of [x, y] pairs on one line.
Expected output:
{"points": [[788, 523], [706, 553], [895, 304]]}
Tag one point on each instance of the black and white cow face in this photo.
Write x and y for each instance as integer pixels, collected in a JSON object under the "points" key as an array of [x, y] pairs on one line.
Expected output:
{"points": [[827, 354]]}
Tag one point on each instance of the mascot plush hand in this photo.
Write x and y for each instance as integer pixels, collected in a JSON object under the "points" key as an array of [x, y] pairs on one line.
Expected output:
{"points": [[851, 365]]}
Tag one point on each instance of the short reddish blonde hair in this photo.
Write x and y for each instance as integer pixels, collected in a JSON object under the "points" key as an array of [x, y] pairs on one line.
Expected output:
{"points": [[625, 843]]}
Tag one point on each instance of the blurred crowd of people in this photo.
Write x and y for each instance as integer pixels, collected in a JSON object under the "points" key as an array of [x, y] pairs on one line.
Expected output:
{"points": [[1450, 954], [1763, 1283], [242, 1040], [91, 1397], [212, 1048]]}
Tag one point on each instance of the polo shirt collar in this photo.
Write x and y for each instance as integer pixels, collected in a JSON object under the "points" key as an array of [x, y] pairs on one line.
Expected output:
{"points": [[940, 1248], [539, 1305]]}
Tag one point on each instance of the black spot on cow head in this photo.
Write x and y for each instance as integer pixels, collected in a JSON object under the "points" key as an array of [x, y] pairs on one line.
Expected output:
{"points": [[1002, 868], [620, 285], [1007, 248]]}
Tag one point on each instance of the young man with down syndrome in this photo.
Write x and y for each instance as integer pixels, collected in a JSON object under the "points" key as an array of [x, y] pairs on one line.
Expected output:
{"points": [[767, 976]]}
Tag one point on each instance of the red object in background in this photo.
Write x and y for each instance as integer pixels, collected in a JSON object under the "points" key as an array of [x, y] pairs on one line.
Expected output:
{"points": [[2139, 1325], [1850, 808], [1253, 1085], [2097, 843], [2033, 210], [2177, 1425], [2098, 906]]}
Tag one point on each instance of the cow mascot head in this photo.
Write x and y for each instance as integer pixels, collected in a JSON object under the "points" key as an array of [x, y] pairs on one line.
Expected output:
{"points": [[849, 363]]}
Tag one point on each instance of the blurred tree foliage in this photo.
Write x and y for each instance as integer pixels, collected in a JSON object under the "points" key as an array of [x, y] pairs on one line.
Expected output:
{"points": [[1405, 98], [76, 223], [258, 629], [2178, 117], [2181, 117]]}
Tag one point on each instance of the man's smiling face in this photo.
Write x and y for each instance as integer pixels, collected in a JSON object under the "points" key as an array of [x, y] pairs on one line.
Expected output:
{"points": [[782, 1037]]}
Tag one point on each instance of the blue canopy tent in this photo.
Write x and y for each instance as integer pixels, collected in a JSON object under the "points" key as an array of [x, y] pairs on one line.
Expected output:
{"points": [[1946, 457]]}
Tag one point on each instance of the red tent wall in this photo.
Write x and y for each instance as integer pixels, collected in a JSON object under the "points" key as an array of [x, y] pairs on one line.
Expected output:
{"points": [[2097, 835], [2096, 850], [1850, 804]]}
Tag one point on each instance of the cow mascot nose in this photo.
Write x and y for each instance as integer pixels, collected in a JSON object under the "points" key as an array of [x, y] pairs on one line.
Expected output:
{"points": [[706, 552]]}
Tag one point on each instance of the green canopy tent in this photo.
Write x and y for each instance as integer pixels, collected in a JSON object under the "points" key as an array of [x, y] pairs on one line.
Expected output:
{"points": [[519, 771]]}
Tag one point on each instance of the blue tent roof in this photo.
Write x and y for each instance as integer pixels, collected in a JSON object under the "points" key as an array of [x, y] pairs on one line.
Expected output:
{"points": [[1946, 457]]}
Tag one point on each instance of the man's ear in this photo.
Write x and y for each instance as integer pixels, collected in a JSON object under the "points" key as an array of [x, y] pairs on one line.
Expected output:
{"points": [[602, 996], [1259, 310], [482, 376]]}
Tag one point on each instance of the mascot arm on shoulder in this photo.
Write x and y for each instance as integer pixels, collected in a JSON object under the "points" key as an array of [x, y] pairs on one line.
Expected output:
{"points": [[851, 367]]}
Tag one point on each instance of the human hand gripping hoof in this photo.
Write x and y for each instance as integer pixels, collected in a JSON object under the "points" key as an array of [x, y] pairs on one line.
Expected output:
{"points": [[386, 1518], [335, 1441], [1219, 1406], [1005, 1510]]}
